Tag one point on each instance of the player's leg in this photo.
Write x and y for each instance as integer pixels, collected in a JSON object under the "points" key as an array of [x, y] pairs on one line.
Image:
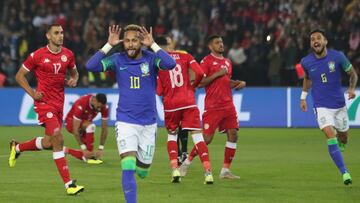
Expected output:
{"points": [[191, 122], [342, 127], [146, 150], [88, 129], [78, 154], [210, 123], [127, 143], [326, 121], [53, 131], [229, 125], [172, 120], [182, 144]]}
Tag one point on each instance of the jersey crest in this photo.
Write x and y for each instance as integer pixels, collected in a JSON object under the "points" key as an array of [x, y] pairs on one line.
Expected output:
{"points": [[145, 69], [331, 66]]}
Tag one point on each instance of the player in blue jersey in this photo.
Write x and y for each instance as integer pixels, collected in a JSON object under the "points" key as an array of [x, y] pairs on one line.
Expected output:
{"points": [[323, 69], [136, 72]]}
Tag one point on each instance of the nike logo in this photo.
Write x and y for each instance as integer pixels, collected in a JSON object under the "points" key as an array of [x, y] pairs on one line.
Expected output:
{"points": [[123, 68], [313, 69]]}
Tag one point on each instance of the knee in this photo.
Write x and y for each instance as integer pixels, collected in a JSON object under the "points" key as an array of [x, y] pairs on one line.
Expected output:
{"points": [[58, 138], [90, 128], [142, 172], [128, 163], [208, 139]]}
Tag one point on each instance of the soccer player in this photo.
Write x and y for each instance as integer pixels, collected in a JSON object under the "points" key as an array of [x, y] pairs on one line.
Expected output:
{"points": [[50, 65], [323, 69], [219, 109], [79, 122], [136, 72], [180, 107]]}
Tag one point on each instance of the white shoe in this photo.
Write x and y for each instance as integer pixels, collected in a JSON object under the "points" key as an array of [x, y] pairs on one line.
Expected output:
{"points": [[184, 167], [227, 174]]}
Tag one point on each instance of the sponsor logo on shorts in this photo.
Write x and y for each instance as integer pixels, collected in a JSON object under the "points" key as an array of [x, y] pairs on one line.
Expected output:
{"points": [[49, 115], [206, 126]]}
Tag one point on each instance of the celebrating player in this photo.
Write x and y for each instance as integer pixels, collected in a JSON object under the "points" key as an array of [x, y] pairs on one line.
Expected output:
{"points": [[219, 107], [323, 70], [180, 107], [79, 122], [50, 64], [136, 72]]}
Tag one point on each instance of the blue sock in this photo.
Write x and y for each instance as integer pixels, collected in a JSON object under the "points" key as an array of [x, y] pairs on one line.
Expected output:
{"points": [[336, 155], [129, 185]]}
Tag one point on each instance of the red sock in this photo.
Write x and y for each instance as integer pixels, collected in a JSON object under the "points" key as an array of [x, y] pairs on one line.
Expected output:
{"points": [[172, 149], [28, 146], [230, 149], [88, 140], [202, 150], [193, 153], [60, 161], [76, 153]]}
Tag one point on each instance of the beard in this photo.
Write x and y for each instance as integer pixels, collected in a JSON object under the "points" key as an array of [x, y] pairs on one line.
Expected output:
{"points": [[319, 51]]}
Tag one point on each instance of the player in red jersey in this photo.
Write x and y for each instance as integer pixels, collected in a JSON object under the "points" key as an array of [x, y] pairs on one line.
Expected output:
{"points": [[180, 107], [219, 108], [79, 122], [50, 64]]}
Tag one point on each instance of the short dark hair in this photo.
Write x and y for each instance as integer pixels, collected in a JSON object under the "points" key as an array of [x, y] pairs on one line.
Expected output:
{"points": [[210, 38], [161, 40], [52, 25], [321, 31], [101, 98]]}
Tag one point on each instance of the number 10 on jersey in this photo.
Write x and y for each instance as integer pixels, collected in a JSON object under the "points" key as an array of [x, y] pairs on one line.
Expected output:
{"points": [[134, 82]]}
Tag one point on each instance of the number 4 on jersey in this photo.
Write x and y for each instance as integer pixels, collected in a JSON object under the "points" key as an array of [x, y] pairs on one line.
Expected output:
{"points": [[176, 77]]}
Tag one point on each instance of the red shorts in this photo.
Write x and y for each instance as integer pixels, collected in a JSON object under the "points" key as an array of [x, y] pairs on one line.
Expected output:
{"points": [[189, 119], [223, 118], [69, 124], [49, 117]]}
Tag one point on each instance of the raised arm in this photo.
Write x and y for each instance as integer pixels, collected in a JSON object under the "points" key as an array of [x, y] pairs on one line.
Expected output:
{"points": [[94, 63], [164, 60]]}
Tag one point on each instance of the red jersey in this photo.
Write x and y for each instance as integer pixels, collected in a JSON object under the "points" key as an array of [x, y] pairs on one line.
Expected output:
{"points": [[177, 91], [218, 92], [50, 71], [82, 110]]}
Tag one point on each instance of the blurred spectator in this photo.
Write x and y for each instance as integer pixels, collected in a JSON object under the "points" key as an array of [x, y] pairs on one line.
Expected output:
{"points": [[288, 22]]}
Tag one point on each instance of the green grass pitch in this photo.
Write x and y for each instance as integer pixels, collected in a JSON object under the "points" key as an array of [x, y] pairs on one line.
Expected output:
{"points": [[275, 165]]}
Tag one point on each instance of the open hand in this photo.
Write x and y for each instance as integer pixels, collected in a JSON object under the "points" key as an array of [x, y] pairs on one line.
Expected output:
{"points": [[114, 35], [146, 37]]}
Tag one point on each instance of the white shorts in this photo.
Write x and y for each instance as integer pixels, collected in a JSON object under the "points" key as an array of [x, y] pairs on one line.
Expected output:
{"points": [[332, 117], [136, 138]]}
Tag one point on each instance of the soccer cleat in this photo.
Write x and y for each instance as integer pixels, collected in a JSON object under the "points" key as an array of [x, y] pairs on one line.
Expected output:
{"points": [[13, 153], [94, 161], [176, 176], [74, 189], [347, 178], [209, 179], [184, 168], [226, 174]]}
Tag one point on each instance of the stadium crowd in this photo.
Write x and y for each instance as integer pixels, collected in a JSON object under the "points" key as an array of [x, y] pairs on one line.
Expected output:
{"points": [[264, 39]]}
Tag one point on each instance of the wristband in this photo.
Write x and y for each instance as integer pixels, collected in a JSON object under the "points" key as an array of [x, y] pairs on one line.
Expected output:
{"points": [[303, 95], [106, 48], [101, 147], [83, 147], [155, 47]]}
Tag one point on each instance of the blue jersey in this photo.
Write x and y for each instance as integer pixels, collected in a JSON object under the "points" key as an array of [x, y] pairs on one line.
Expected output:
{"points": [[325, 75], [136, 80]]}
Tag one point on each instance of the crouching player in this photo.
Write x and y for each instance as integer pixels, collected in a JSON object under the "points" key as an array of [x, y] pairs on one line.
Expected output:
{"points": [[79, 122]]}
